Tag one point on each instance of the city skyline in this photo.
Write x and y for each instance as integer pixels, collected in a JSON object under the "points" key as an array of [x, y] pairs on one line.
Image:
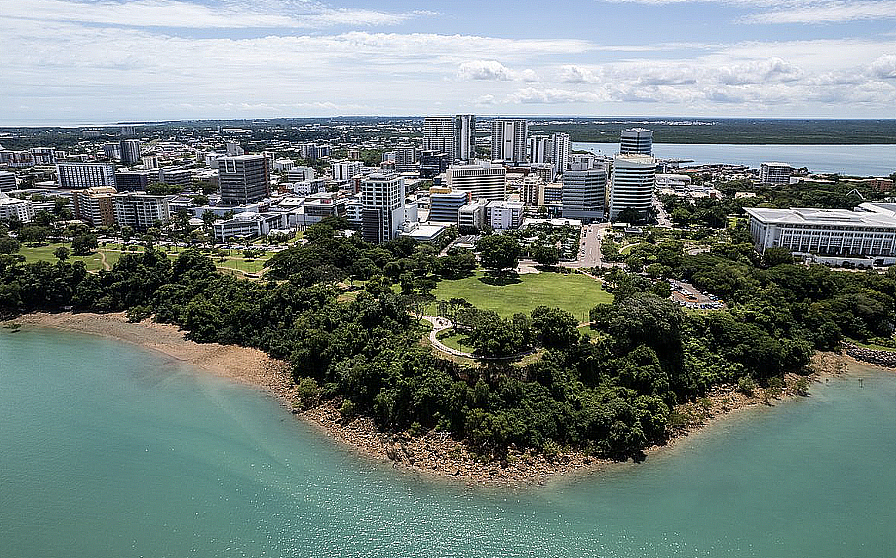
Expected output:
{"points": [[94, 62]]}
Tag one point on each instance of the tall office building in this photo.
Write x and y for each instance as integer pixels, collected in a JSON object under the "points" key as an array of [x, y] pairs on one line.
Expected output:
{"points": [[130, 151], [406, 158], [487, 182], [560, 152], [540, 149], [464, 137], [382, 202], [438, 135], [636, 141], [433, 163], [632, 184], [509, 140], [85, 175], [112, 151], [584, 190], [243, 179]]}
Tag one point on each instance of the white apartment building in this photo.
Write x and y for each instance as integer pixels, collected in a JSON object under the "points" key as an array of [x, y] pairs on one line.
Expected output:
{"points": [[504, 215], [509, 140], [867, 231], [406, 158], [344, 171], [13, 208], [464, 137], [632, 184], [299, 174], [383, 211], [140, 210], [472, 214], [560, 152], [540, 149], [85, 175], [284, 165], [776, 174], [636, 141], [486, 181], [308, 187]]}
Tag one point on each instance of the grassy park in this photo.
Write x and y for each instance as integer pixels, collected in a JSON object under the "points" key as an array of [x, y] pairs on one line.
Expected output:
{"points": [[575, 293], [112, 252]]}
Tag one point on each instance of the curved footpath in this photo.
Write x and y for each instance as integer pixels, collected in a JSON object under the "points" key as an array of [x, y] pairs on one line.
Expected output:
{"points": [[434, 454]]}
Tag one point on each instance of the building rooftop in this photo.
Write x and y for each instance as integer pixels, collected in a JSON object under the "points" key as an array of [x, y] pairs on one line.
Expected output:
{"points": [[867, 214]]}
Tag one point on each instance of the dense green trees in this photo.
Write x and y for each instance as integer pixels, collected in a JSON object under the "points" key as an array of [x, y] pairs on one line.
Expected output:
{"points": [[498, 252], [84, 244], [611, 394]]}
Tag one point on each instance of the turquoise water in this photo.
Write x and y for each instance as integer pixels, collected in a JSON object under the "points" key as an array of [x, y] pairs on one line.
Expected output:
{"points": [[858, 160], [107, 450]]}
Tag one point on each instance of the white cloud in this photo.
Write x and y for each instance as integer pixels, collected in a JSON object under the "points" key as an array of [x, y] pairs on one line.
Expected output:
{"points": [[770, 70], [66, 69], [578, 74], [492, 70], [553, 96], [796, 11], [884, 67], [826, 12], [185, 14]]}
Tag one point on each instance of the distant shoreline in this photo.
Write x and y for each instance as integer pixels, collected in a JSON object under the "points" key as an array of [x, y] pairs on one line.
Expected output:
{"points": [[433, 454]]}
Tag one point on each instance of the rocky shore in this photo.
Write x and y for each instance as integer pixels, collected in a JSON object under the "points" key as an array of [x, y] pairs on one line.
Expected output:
{"points": [[435, 454], [871, 356]]}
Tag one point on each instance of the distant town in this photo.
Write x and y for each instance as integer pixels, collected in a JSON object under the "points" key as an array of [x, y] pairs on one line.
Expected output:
{"points": [[232, 186]]}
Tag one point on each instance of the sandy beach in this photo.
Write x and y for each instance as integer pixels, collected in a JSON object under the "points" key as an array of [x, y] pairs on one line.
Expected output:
{"points": [[434, 454]]}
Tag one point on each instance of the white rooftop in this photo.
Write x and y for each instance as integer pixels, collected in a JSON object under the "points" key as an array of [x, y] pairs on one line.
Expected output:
{"points": [[867, 214]]}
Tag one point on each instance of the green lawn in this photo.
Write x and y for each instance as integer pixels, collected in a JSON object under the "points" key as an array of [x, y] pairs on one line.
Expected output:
{"points": [[93, 261], [113, 253], [451, 339], [575, 293]]}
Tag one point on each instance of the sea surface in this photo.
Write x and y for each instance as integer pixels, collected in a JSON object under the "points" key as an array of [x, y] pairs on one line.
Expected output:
{"points": [[109, 450], [857, 160]]}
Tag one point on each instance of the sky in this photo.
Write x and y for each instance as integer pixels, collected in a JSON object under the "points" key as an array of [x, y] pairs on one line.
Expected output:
{"points": [[88, 61]]}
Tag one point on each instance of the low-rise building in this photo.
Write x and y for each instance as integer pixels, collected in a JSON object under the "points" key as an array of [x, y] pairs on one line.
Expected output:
{"points": [[472, 214], [504, 215], [249, 224], [7, 181], [775, 174], [444, 207], [14, 208], [867, 231]]}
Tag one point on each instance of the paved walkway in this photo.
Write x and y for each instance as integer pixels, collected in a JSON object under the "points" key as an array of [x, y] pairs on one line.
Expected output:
{"points": [[440, 324]]}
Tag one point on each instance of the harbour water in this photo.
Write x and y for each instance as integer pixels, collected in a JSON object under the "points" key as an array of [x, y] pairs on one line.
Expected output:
{"points": [[858, 160], [109, 450]]}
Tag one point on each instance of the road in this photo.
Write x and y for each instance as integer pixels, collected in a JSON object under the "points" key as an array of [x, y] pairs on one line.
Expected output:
{"points": [[589, 246]]}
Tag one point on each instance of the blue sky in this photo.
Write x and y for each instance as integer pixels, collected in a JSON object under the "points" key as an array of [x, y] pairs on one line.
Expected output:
{"points": [[80, 61]]}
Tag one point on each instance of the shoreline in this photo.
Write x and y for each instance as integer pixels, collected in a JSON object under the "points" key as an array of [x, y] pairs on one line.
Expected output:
{"points": [[434, 455]]}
